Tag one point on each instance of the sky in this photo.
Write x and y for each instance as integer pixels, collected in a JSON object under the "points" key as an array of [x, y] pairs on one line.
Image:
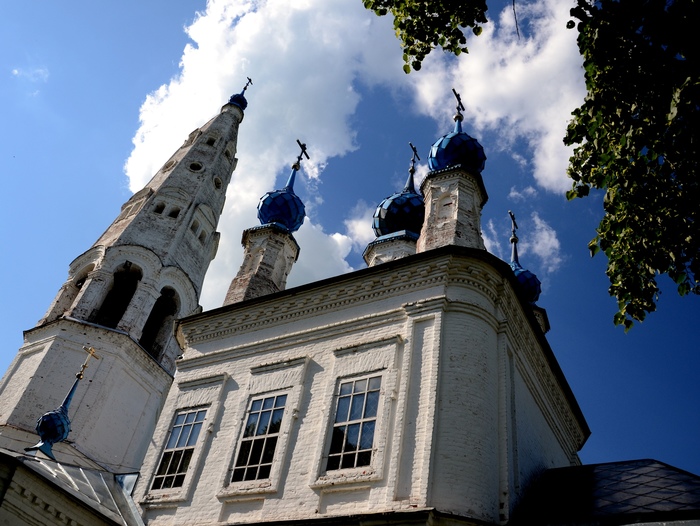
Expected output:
{"points": [[96, 97]]}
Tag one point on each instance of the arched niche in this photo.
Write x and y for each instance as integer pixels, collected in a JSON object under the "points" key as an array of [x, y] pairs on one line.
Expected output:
{"points": [[159, 324], [125, 280]]}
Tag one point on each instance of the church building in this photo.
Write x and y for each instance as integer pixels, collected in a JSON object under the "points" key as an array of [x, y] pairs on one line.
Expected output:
{"points": [[419, 390]]}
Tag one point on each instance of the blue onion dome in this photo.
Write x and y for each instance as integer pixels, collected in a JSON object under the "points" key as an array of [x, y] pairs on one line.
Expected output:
{"points": [[53, 426], [283, 207], [531, 286], [239, 99], [401, 211], [457, 148]]}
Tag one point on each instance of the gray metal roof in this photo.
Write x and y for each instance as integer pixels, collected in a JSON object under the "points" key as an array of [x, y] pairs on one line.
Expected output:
{"points": [[627, 492]]}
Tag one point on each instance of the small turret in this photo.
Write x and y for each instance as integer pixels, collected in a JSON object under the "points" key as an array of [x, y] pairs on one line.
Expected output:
{"points": [[270, 249], [397, 222], [454, 190]]}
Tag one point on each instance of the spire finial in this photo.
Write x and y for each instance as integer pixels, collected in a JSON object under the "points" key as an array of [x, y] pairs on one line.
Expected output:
{"points": [[54, 426], [297, 165], [460, 107], [410, 186], [249, 83], [513, 240]]}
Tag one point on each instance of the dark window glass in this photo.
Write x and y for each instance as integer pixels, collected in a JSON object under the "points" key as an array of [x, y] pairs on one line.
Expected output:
{"points": [[352, 437], [257, 449], [179, 449]]}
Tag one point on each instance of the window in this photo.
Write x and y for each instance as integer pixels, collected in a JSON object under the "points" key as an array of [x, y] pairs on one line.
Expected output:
{"points": [[259, 440], [355, 418], [179, 449]]}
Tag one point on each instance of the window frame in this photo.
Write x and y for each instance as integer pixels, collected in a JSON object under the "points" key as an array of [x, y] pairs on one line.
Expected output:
{"points": [[286, 377], [257, 437], [358, 386], [174, 449], [187, 394], [364, 360]]}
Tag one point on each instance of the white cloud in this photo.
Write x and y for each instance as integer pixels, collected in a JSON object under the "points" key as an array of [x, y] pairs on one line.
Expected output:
{"points": [[491, 239], [526, 193], [359, 225], [542, 242], [36, 74]]}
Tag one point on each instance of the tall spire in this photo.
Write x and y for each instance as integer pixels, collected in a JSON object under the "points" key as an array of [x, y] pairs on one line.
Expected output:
{"points": [[124, 294]]}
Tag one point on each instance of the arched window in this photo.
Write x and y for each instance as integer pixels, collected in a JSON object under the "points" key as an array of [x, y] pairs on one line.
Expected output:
{"points": [[126, 279], [160, 322]]}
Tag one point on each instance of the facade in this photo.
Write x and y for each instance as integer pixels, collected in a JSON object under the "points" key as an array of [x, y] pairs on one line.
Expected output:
{"points": [[420, 390]]}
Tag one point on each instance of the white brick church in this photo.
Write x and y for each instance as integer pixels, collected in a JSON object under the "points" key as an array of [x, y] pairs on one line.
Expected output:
{"points": [[419, 390]]}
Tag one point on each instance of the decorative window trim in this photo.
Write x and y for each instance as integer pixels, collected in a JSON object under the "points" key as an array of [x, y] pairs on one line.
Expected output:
{"points": [[379, 358], [199, 393], [266, 380]]}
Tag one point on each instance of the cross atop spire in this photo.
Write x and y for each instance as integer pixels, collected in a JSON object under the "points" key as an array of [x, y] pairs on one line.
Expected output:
{"points": [[303, 153], [513, 240], [249, 83], [91, 354], [414, 157], [460, 107], [410, 186]]}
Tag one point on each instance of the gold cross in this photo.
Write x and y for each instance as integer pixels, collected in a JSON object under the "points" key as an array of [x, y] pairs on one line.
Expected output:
{"points": [[91, 354]]}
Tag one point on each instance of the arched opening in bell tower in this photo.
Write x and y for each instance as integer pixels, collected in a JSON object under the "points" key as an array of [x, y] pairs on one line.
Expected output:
{"points": [[124, 284], [160, 322]]}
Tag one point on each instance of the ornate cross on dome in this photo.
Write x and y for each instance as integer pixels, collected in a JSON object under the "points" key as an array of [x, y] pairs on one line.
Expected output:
{"points": [[460, 106], [91, 354], [412, 169], [303, 153], [513, 237], [249, 83]]}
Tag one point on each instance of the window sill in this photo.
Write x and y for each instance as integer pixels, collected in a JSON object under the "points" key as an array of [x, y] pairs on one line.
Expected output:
{"points": [[242, 489], [347, 476], [162, 498]]}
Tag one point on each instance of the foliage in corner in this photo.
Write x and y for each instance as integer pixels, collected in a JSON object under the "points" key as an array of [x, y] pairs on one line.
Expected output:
{"points": [[637, 138], [423, 25]]}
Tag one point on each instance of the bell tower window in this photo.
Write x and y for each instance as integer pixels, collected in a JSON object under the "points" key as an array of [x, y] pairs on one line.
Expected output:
{"points": [[159, 323], [114, 306]]}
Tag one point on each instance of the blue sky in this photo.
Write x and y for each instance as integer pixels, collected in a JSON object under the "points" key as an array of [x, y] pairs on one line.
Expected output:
{"points": [[95, 99]]}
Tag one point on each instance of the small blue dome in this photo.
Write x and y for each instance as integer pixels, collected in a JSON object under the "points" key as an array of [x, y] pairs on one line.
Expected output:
{"points": [[239, 100], [53, 426], [401, 211], [531, 284], [457, 148], [282, 207]]}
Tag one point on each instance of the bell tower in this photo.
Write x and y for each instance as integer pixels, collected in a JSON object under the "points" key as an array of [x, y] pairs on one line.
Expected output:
{"points": [[122, 296]]}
